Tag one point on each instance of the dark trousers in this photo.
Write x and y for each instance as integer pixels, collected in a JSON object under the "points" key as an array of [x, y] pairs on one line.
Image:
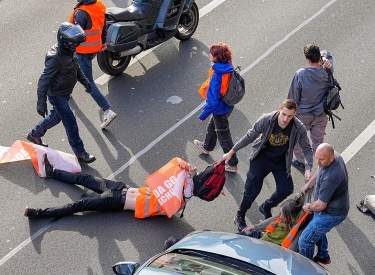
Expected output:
{"points": [[218, 129], [260, 167], [110, 198], [61, 112]]}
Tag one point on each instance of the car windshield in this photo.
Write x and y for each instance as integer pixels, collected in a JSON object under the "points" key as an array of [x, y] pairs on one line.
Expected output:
{"points": [[177, 263]]}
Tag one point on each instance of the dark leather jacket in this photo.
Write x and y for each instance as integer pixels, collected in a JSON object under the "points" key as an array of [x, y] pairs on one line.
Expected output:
{"points": [[61, 72]]}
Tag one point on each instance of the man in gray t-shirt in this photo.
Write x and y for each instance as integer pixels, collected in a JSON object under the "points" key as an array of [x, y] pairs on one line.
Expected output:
{"points": [[331, 204], [308, 88]]}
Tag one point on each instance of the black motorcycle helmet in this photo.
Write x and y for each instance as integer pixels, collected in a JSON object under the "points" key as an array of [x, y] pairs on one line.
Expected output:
{"points": [[69, 32]]}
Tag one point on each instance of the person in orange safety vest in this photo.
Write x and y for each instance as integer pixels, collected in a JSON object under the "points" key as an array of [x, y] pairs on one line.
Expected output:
{"points": [[282, 229], [90, 15], [113, 196]]}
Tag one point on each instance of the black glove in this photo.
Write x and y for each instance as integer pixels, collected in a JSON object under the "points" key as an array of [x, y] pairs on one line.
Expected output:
{"points": [[41, 107], [88, 87]]}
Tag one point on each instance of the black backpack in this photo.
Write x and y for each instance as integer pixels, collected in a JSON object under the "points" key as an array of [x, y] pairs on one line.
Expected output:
{"points": [[332, 98], [209, 183], [236, 88]]}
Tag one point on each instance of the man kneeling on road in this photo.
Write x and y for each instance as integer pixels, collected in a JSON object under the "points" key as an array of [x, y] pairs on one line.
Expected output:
{"points": [[331, 204], [275, 135]]}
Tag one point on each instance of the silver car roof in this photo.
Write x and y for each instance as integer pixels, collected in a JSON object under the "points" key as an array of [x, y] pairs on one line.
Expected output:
{"points": [[266, 255]]}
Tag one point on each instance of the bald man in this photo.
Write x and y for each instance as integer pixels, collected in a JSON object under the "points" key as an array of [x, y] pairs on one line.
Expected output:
{"points": [[331, 204]]}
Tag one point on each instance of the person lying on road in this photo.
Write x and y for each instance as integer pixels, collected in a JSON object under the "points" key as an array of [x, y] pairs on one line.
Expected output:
{"points": [[275, 230], [113, 196]]}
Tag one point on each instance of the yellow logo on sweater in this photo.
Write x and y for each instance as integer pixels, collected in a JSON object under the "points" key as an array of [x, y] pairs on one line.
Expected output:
{"points": [[278, 140]]}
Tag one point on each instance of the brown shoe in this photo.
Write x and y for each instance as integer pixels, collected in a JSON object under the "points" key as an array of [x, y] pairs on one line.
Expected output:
{"points": [[231, 169], [37, 141], [200, 145], [30, 213]]}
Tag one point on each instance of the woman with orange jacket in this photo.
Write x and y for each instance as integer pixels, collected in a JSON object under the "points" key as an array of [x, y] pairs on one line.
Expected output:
{"points": [[212, 91]]}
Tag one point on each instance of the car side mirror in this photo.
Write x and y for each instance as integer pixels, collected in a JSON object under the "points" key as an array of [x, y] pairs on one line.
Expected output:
{"points": [[125, 268]]}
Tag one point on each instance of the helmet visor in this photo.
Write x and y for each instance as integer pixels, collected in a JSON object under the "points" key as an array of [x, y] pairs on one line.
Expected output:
{"points": [[75, 34]]}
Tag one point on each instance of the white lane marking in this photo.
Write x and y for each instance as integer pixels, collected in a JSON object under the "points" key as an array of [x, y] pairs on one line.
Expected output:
{"points": [[359, 142], [27, 241], [288, 36], [101, 80], [209, 7], [153, 143], [202, 12]]}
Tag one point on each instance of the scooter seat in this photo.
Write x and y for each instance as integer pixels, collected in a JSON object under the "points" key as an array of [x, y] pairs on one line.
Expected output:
{"points": [[136, 11]]}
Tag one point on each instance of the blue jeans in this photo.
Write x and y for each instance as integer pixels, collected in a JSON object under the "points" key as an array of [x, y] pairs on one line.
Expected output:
{"points": [[218, 129], [260, 167], [111, 198], [315, 234], [85, 63], [60, 112]]}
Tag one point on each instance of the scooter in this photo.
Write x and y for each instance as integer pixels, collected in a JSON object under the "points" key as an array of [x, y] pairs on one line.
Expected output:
{"points": [[144, 25]]}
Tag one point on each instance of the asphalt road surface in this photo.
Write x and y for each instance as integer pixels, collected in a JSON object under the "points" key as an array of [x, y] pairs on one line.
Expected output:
{"points": [[267, 39]]}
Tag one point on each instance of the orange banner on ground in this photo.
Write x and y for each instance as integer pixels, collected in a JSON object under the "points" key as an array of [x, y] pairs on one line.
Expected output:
{"points": [[21, 150], [167, 185]]}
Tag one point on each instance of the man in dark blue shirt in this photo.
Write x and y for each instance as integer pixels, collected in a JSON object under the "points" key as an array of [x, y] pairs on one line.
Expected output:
{"points": [[331, 204]]}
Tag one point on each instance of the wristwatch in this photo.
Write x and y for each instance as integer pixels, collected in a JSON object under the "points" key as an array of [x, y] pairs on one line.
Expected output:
{"points": [[308, 208]]}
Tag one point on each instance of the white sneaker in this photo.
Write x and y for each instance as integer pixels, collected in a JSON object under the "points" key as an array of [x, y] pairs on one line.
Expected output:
{"points": [[200, 145], [231, 169], [108, 118]]}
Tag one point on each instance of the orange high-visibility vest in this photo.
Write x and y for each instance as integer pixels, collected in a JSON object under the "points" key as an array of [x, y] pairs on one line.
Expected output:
{"points": [[292, 234], [146, 204], [93, 41], [223, 88], [272, 226]]}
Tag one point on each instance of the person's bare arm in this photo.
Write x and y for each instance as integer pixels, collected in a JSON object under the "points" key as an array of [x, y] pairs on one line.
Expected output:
{"points": [[227, 156], [310, 183], [314, 207]]}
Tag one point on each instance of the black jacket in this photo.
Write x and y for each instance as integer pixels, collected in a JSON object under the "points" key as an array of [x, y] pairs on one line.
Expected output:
{"points": [[61, 72]]}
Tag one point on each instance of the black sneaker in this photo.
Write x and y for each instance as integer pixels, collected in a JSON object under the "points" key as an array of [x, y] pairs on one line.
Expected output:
{"points": [[266, 214], [47, 168], [37, 141], [30, 212], [299, 165], [86, 157], [240, 223], [326, 260]]}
